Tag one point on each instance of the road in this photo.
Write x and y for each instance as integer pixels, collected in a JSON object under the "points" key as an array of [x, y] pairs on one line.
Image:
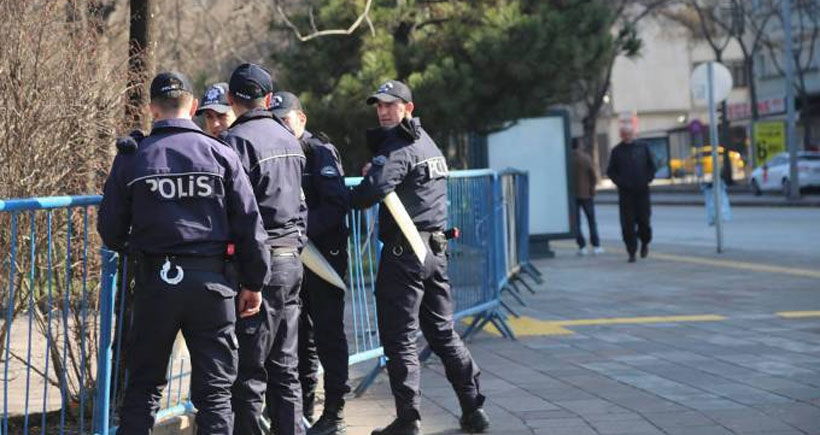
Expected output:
{"points": [[777, 230]]}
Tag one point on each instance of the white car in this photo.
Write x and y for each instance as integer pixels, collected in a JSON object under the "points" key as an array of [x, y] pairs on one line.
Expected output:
{"points": [[774, 174]]}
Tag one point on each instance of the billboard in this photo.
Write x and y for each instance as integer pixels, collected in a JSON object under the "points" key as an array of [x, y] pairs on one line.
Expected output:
{"points": [[540, 146]]}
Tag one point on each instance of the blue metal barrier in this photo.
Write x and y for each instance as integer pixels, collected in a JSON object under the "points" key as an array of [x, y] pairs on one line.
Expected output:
{"points": [[71, 381], [49, 330]]}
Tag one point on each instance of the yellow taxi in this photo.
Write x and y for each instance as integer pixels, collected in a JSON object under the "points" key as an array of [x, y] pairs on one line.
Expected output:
{"points": [[703, 156]]}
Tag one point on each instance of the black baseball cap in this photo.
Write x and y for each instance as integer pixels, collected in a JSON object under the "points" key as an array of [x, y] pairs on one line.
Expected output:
{"points": [[215, 98], [250, 81], [283, 102], [391, 90], [170, 81]]}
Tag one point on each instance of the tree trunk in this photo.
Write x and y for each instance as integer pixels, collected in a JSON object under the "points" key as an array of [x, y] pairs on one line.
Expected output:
{"points": [[590, 145], [140, 62]]}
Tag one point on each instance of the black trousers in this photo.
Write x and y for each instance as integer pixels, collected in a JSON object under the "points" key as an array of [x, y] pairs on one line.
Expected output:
{"points": [[635, 209], [588, 206], [202, 306], [268, 360], [410, 295], [322, 336]]}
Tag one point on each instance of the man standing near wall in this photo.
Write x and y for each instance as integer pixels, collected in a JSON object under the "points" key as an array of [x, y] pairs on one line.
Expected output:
{"points": [[632, 168]]}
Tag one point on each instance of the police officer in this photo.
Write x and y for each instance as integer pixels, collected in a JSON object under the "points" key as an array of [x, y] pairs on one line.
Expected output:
{"points": [[410, 294], [274, 160], [216, 110], [323, 304], [175, 201]]}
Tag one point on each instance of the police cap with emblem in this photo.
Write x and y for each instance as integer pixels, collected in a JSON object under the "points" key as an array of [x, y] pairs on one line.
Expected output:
{"points": [[250, 81], [167, 82], [215, 98], [391, 90], [283, 102]]}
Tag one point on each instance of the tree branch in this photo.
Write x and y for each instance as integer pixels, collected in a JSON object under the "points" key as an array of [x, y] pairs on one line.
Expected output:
{"points": [[363, 17]]}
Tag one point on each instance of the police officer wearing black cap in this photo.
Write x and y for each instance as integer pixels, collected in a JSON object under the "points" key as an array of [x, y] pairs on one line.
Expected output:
{"points": [[274, 160], [174, 201], [410, 293], [321, 330], [216, 110]]}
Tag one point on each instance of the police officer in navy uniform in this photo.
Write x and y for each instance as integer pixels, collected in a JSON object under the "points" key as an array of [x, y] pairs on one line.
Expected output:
{"points": [[410, 294], [215, 109], [321, 330], [273, 158], [175, 201]]}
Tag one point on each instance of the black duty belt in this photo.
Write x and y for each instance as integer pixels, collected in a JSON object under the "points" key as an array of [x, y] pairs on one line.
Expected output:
{"points": [[189, 262]]}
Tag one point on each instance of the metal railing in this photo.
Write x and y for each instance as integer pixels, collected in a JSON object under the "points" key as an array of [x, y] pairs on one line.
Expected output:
{"points": [[72, 378]]}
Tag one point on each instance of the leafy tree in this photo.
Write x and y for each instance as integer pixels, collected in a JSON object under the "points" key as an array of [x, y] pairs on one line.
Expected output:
{"points": [[474, 66]]}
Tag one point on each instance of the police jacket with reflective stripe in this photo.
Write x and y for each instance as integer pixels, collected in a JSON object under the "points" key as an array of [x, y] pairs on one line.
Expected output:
{"points": [[274, 161], [183, 193], [416, 170], [325, 193]]}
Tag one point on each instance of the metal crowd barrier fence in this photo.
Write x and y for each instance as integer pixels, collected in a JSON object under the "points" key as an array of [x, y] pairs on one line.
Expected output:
{"points": [[515, 203], [65, 313]]}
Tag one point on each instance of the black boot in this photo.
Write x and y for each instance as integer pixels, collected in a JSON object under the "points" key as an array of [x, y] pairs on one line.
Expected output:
{"points": [[332, 422], [400, 427], [475, 421], [644, 250]]}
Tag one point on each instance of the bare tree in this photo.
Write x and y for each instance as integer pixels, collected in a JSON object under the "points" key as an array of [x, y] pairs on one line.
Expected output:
{"points": [[806, 29], [364, 17], [624, 19]]}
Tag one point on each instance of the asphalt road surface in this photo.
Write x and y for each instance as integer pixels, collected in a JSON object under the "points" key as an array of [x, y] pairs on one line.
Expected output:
{"points": [[777, 230]]}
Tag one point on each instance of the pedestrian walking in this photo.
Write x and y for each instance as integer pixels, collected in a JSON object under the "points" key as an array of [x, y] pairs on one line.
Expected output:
{"points": [[585, 182], [632, 168]]}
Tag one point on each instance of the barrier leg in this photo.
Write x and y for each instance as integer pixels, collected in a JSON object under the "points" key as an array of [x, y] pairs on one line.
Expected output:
{"points": [[524, 283], [501, 324], [370, 378], [513, 290], [472, 328], [509, 309], [534, 273]]}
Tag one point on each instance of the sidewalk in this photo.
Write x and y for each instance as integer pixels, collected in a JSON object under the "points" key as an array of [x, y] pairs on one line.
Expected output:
{"points": [[675, 344], [738, 199]]}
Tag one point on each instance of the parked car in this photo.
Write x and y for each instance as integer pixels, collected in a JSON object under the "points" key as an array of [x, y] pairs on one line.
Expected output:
{"points": [[774, 174]]}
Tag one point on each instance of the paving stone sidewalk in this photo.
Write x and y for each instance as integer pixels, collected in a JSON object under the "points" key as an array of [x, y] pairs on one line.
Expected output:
{"points": [[756, 370]]}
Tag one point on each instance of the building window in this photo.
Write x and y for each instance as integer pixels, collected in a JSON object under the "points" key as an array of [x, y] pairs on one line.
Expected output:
{"points": [[739, 76]]}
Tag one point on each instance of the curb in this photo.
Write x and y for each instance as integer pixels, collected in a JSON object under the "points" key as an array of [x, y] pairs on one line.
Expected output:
{"points": [[735, 202]]}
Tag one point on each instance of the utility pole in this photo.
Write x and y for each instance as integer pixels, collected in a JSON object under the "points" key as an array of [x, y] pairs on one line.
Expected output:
{"points": [[791, 142]]}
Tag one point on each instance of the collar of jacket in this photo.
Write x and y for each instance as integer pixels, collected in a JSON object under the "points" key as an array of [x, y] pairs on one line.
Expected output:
{"points": [[176, 124]]}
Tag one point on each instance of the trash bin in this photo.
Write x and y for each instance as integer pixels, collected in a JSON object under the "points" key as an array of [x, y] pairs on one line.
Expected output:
{"points": [[709, 197]]}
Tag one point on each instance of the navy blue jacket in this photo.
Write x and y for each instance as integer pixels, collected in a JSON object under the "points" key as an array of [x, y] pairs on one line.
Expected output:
{"points": [[274, 161], [182, 192], [408, 162], [325, 193]]}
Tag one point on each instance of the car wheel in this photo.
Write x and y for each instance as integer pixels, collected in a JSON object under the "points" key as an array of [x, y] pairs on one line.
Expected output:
{"points": [[787, 187], [756, 188]]}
